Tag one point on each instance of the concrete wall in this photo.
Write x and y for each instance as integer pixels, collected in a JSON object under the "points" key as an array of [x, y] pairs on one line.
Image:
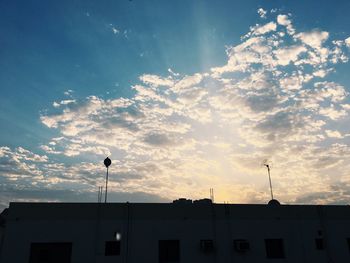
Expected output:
{"points": [[88, 226]]}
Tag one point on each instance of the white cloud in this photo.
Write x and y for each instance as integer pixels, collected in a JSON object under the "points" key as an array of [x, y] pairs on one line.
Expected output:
{"points": [[156, 81], [332, 113], [284, 20], [334, 134], [187, 82], [23, 154], [173, 73], [49, 150], [331, 90], [115, 30], [289, 54], [65, 102], [345, 106], [320, 73], [347, 41], [314, 39], [293, 82], [62, 102], [78, 149], [262, 13], [260, 30], [68, 92]]}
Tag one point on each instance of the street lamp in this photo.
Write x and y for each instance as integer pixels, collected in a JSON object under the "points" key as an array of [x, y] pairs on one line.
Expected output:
{"points": [[107, 162]]}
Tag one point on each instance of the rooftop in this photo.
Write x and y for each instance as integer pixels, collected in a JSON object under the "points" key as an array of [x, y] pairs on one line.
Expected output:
{"points": [[181, 210]]}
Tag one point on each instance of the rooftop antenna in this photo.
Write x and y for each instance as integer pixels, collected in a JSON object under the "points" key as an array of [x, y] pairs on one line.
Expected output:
{"points": [[268, 166], [107, 162], [212, 194], [99, 196]]}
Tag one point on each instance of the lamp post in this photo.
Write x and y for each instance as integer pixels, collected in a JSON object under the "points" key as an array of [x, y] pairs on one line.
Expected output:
{"points": [[107, 162]]}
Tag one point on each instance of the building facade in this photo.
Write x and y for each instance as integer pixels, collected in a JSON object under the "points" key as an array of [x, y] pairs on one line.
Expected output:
{"points": [[182, 231]]}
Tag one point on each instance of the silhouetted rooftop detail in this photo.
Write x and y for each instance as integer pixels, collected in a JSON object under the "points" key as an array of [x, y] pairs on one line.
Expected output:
{"points": [[274, 202], [182, 201], [204, 201]]}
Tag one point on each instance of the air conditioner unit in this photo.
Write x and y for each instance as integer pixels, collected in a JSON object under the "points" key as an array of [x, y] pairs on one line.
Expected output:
{"points": [[241, 245]]}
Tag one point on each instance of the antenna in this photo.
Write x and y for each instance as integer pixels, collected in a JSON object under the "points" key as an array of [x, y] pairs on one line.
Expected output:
{"points": [[99, 196], [268, 166], [107, 162], [212, 194]]}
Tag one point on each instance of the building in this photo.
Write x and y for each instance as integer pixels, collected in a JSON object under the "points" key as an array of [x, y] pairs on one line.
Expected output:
{"points": [[183, 231]]}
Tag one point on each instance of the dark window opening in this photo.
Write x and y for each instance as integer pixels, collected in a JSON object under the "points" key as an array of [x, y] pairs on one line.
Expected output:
{"points": [[112, 248], [274, 248], [319, 243], [44, 255], [241, 245], [50, 252], [207, 245], [169, 251]]}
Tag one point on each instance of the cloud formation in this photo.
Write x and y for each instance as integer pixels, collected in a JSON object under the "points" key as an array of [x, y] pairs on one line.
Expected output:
{"points": [[262, 13], [180, 135]]}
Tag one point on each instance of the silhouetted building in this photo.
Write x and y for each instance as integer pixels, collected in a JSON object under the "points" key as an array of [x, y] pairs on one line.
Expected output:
{"points": [[183, 231], [3, 217]]}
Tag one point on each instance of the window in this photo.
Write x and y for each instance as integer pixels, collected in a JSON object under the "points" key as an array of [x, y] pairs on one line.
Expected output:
{"points": [[169, 251], [319, 243], [274, 248], [112, 248], [206, 245], [50, 253], [241, 245]]}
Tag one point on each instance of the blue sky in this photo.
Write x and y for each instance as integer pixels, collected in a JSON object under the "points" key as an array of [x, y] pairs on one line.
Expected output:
{"points": [[182, 95]]}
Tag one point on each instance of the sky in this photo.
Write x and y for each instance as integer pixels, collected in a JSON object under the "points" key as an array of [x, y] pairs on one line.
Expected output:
{"points": [[183, 96]]}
